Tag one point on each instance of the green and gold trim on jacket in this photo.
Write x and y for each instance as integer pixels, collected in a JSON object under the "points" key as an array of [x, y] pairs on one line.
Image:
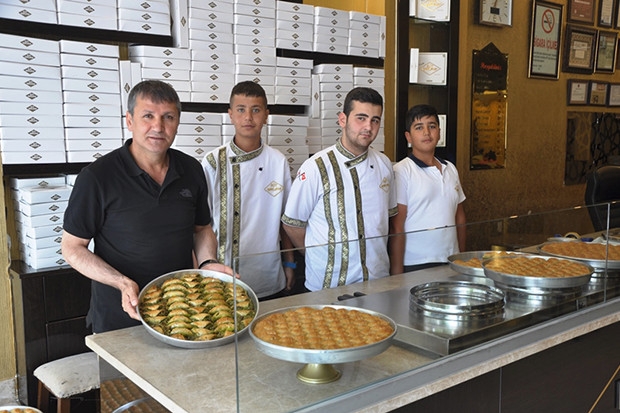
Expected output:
{"points": [[222, 159]]}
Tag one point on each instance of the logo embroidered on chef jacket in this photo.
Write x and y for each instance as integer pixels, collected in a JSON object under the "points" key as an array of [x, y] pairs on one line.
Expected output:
{"points": [[185, 193], [385, 185], [274, 188]]}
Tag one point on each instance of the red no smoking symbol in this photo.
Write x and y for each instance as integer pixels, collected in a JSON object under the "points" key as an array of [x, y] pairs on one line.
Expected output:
{"points": [[548, 21]]}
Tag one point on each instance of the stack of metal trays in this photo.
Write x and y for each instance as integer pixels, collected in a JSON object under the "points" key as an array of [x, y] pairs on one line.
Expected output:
{"points": [[456, 300]]}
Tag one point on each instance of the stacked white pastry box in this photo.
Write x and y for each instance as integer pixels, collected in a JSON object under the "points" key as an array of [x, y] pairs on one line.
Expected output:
{"points": [[169, 64], [333, 82], [143, 16], [288, 135], [293, 81], [95, 14], [255, 44], [294, 26], [331, 31], [198, 133], [92, 104], [43, 11], [210, 34], [31, 125], [364, 34], [40, 204], [373, 78]]}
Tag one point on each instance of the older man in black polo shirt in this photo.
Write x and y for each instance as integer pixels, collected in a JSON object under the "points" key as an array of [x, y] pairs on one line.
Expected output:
{"points": [[145, 206]]}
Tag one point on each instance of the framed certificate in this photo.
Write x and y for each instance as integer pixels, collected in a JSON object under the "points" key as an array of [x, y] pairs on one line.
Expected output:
{"points": [[437, 10], [577, 92], [545, 40], [606, 10], [432, 68], [613, 98], [606, 51], [581, 11], [579, 49], [598, 93]]}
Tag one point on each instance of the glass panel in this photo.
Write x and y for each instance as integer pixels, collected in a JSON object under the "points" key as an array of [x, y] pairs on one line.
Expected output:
{"points": [[439, 312]]}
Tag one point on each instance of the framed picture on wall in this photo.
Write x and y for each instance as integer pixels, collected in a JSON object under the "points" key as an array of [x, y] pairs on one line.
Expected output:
{"points": [[606, 51], [606, 9], [613, 95], [577, 92], [545, 41], [581, 11], [598, 93], [579, 49], [613, 98]]}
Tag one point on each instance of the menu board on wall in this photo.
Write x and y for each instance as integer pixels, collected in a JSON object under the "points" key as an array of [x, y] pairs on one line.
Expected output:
{"points": [[489, 103]]}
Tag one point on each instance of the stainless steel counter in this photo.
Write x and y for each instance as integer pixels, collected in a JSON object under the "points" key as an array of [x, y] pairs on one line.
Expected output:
{"points": [[211, 379]]}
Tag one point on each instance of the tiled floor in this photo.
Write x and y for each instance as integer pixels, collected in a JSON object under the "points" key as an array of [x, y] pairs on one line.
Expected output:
{"points": [[7, 393]]}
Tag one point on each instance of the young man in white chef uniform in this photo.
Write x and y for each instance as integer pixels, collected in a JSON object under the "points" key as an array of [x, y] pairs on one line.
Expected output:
{"points": [[343, 197], [249, 183]]}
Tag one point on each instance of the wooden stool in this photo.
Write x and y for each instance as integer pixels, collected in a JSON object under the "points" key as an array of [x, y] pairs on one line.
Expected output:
{"points": [[66, 377]]}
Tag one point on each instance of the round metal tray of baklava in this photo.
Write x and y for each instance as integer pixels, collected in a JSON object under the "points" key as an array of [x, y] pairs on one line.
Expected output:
{"points": [[470, 262], [196, 344], [594, 263], [537, 283], [456, 299], [323, 356]]}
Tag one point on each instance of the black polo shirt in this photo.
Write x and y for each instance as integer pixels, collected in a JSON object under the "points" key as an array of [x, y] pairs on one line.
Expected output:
{"points": [[139, 227]]}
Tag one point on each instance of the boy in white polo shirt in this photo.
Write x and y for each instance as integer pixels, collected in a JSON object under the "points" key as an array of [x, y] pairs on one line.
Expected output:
{"points": [[429, 195]]}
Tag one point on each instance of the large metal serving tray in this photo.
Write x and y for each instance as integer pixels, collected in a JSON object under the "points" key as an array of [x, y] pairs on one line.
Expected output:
{"points": [[188, 343], [524, 281], [596, 264], [332, 356], [469, 255]]}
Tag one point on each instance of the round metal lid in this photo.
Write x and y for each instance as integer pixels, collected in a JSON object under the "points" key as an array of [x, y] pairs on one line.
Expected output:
{"points": [[457, 298]]}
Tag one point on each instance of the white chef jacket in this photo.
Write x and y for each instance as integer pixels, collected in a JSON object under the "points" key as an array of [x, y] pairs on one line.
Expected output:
{"points": [[247, 195], [345, 202]]}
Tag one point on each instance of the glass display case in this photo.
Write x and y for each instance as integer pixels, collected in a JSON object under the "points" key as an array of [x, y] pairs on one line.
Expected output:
{"points": [[452, 324]]}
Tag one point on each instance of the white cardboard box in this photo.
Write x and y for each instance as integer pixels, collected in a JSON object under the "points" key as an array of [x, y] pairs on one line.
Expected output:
{"points": [[159, 51], [94, 133], [40, 209], [156, 6], [30, 70], [39, 220], [91, 97], [92, 22], [142, 27], [85, 156], [246, 20], [85, 85], [199, 140], [161, 62], [90, 73], [29, 108], [80, 109], [32, 145], [165, 74], [26, 43], [25, 83], [201, 118], [19, 183], [28, 14], [92, 144], [41, 194], [29, 120], [86, 48], [179, 17], [89, 122], [254, 10], [30, 133], [295, 7], [194, 129], [44, 58], [80, 60], [148, 17]]}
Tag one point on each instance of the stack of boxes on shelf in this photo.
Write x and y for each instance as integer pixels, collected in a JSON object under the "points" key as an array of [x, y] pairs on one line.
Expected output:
{"points": [[331, 83], [217, 44], [199, 133], [39, 206], [288, 135], [31, 125], [150, 16], [93, 14], [294, 26], [91, 108]]}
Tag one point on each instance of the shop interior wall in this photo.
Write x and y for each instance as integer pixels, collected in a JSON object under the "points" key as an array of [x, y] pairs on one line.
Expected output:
{"points": [[382, 8], [533, 177]]}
